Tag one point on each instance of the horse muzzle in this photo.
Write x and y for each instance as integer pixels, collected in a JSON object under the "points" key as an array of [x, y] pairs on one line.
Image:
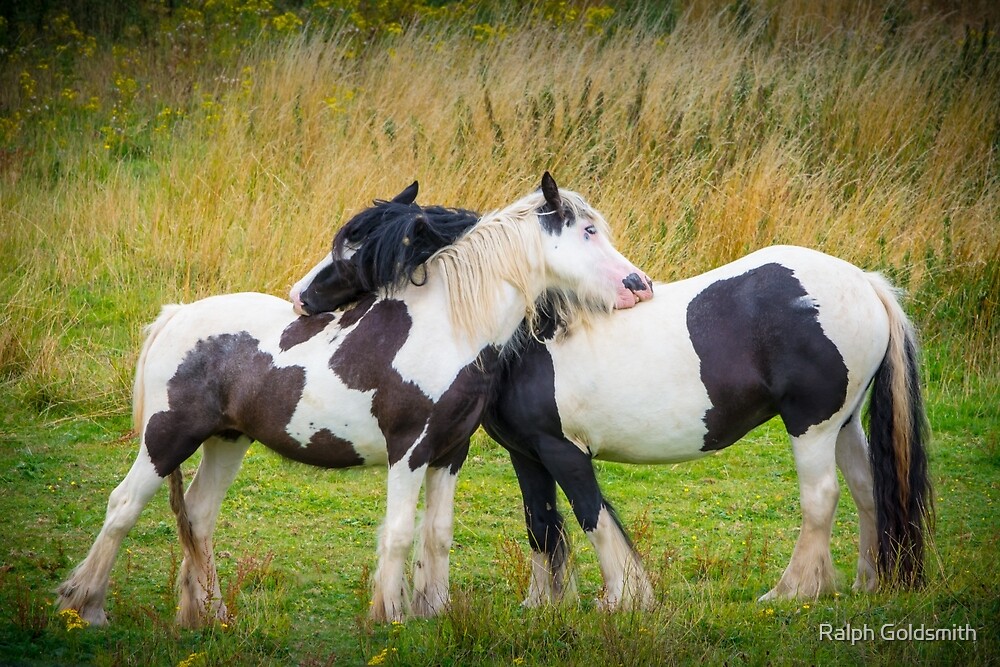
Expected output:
{"points": [[635, 288]]}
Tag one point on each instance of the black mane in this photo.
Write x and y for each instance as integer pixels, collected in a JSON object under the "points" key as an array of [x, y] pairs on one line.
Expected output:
{"points": [[392, 240]]}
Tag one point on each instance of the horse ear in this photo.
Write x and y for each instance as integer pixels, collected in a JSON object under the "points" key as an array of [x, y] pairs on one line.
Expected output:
{"points": [[551, 192], [407, 196]]}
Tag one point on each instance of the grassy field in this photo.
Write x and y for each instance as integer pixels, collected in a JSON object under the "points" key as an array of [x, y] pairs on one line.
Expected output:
{"points": [[151, 156]]}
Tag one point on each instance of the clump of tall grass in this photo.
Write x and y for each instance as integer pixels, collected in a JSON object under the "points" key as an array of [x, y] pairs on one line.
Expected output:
{"points": [[134, 176]]}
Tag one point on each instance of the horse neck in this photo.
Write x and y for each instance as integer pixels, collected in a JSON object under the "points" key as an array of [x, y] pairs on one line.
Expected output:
{"points": [[489, 280], [431, 307]]}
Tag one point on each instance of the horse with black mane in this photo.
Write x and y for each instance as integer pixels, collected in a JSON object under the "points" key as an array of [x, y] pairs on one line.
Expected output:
{"points": [[400, 378], [785, 331]]}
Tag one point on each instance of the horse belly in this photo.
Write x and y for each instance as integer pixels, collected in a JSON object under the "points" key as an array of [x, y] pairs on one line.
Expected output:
{"points": [[334, 428]]}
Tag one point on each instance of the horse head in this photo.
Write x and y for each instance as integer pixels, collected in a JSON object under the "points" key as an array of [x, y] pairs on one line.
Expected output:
{"points": [[382, 247], [579, 252]]}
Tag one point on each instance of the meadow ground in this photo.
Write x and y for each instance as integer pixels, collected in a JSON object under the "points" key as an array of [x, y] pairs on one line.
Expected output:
{"points": [[151, 156]]}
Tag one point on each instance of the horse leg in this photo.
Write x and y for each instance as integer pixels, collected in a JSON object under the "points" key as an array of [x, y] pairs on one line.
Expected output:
{"points": [[810, 572], [549, 549], [625, 581], [388, 591], [198, 581], [87, 586], [852, 459], [430, 571]]}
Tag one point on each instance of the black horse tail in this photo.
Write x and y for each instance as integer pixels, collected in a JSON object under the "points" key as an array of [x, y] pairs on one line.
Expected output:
{"points": [[898, 438]]}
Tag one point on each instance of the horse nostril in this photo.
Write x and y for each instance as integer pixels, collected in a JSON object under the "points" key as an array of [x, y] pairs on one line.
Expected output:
{"points": [[304, 304], [634, 283]]}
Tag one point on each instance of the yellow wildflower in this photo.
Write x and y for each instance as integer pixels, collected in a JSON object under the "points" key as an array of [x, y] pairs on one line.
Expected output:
{"points": [[193, 660], [381, 656], [286, 23], [72, 619]]}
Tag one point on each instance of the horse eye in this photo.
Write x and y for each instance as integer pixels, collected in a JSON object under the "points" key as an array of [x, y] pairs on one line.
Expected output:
{"points": [[590, 229]]}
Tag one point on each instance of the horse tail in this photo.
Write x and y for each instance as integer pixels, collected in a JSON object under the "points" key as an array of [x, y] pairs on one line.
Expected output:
{"points": [[898, 437], [139, 386], [184, 530]]}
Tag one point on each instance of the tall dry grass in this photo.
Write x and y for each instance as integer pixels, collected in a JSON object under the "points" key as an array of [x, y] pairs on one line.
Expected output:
{"points": [[741, 126]]}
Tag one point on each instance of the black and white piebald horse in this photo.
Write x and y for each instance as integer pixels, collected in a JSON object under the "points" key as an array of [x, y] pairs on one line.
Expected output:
{"points": [[400, 378], [784, 331]]}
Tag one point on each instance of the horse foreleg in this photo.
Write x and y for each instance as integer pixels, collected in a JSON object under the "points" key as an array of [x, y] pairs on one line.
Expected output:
{"points": [[87, 586], [625, 580], [430, 570], [198, 581], [389, 601], [810, 571], [550, 579], [852, 459]]}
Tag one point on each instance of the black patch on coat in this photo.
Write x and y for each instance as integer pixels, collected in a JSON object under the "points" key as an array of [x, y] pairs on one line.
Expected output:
{"points": [[224, 386], [457, 415], [554, 220], [227, 386], [524, 404], [328, 451], [364, 362], [524, 419], [302, 329], [354, 314], [545, 524], [763, 352]]}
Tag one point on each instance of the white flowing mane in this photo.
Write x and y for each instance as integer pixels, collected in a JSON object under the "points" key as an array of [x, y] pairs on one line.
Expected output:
{"points": [[506, 247]]}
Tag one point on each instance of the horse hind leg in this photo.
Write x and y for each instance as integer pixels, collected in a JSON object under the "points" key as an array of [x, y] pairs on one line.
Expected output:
{"points": [[852, 459], [198, 580], [810, 572], [86, 588]]}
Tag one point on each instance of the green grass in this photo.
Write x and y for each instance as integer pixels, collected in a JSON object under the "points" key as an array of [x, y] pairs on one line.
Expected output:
{"points": [[297, 544], [150, 156]]}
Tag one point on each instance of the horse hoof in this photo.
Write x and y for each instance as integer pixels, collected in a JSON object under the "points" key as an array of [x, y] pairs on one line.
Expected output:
{"points": [[607, 604], [767, 597]]}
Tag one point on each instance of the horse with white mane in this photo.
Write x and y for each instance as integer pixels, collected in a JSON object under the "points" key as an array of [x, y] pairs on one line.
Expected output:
{"points": [[401, 378]]}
